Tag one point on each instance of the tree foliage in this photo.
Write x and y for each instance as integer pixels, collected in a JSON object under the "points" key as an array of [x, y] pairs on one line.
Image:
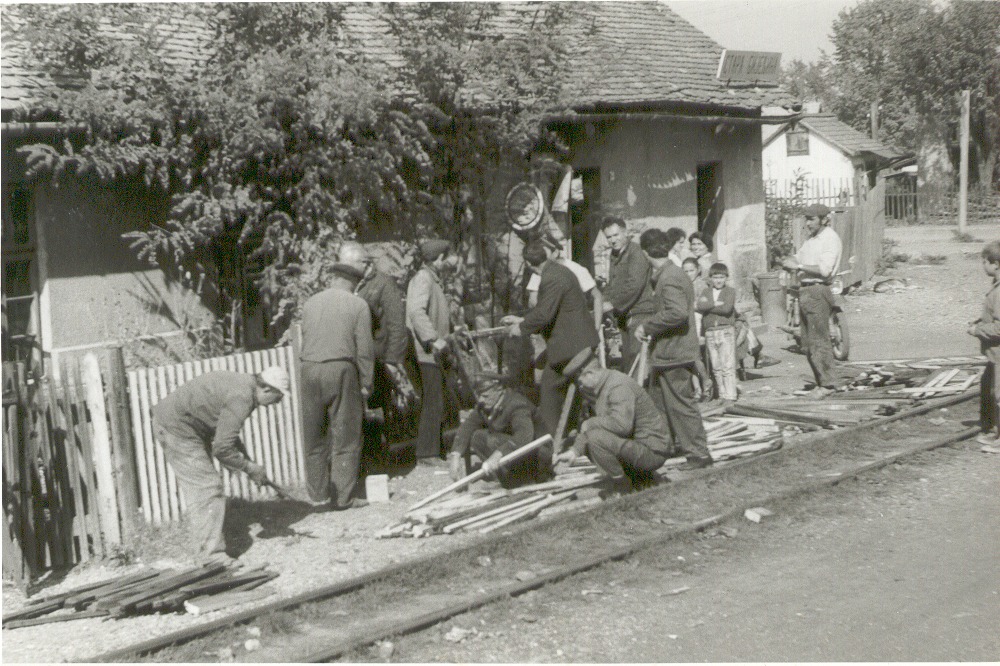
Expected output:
{"points": [[914, 57], [295, 131]]}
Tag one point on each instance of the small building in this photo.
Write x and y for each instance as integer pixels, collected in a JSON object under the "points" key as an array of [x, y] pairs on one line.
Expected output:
{"points": [[831, 159]]}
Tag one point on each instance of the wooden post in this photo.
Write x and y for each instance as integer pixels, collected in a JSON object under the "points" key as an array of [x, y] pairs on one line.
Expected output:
{"points": [[874, 119], [101, 443], [963, 165], [123, 443]]}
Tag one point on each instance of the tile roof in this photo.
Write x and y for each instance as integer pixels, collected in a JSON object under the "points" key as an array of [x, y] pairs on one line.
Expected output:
{"points": [[849, 140], [623, 54]]}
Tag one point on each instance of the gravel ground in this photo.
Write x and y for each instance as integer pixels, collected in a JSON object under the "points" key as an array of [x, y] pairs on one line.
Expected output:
{"points": [[310, 550]]}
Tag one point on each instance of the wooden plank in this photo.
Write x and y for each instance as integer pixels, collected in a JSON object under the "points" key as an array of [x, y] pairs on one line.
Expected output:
{"points": [[203, 605], [87, 464], [170, 376], [479, 517], [527, 512], [107, 496], [281, 423], [245, 363], [165, 475], [295, 368], [269, 432], [50, 619], [147, 397], [48, 490], [138, 436], [73, 469], [123, 443]]}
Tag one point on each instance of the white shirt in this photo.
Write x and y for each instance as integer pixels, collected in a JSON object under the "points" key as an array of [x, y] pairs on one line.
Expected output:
{"points": [[582, 276], [822, 250]]}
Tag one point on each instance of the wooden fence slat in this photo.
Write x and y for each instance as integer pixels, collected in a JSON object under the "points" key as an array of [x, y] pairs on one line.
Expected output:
{"points": [[87, 460], [73, 469], [170, 385], [52, 518], [147, 387], [280, 437], [29, 534], [157, 384], [140, 445], [106, 495], [295, 370], [263, 441]]}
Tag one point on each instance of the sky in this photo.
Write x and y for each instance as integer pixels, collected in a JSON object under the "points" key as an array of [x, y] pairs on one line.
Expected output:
{"points": [[799, 29]]}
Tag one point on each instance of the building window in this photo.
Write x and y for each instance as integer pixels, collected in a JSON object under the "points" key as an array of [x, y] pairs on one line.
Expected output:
{"points": [[797, 142]]}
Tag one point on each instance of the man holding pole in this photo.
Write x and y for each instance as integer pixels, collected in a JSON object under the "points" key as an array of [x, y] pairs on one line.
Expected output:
{"points": [[627, 436], [200, 420]]}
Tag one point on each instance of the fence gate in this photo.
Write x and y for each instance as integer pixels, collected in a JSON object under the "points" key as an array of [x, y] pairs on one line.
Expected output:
{"points": [[272, 435]]}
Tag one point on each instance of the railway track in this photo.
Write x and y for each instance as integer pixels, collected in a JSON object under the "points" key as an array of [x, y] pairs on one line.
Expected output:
{"points": [[335, 621]]}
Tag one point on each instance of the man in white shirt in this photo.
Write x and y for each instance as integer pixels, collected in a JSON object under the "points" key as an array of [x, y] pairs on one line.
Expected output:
{"points": [[587, 284], [816, 264]]}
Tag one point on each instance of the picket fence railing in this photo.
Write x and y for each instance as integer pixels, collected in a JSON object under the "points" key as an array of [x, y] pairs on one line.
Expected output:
{"points": [[272, 435]]}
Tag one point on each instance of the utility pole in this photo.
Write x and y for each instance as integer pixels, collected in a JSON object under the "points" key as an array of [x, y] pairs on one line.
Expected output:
{"points": [[874, 118], [963, 166]]}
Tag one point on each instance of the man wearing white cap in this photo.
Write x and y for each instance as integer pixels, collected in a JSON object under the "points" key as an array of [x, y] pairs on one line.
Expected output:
{"points": [[202, 419]]}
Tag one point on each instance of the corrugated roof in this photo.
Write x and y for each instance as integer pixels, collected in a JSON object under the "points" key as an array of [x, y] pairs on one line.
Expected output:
{"points": [[622, 54]]}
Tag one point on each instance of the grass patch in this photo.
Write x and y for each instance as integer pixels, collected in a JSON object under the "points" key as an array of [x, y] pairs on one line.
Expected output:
{"points": [[928, 259], [964, 237]]}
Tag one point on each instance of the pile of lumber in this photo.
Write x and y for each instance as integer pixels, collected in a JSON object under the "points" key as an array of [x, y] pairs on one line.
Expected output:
{"points": [[945, 382], [196, 590], [484, 511], [813, 414], [925, 363]]}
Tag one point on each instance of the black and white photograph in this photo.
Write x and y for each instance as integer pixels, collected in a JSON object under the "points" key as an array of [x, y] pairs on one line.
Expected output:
{"points": [[583, 331]]}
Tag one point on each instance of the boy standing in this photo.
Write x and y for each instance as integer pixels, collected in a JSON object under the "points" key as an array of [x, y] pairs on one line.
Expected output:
{"points": [[987, 329], [717, 305]]}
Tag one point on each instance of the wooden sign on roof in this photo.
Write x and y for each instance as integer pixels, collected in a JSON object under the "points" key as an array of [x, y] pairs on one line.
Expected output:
{"points": [[749, 66]]}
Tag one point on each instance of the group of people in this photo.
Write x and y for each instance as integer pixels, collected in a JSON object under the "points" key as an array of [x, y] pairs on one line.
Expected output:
{"points": [[357, 333]]}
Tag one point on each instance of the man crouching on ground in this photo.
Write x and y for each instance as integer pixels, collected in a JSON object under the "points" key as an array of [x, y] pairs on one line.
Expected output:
{"points": [[201, 419], [500, 423], [627, 435]]}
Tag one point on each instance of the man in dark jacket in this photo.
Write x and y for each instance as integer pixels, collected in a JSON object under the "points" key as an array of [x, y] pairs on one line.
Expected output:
{"points": [[629, 292], [391, 387], [674, 345], [562, 318], [500, 423], [627, 435], [200, 420]]}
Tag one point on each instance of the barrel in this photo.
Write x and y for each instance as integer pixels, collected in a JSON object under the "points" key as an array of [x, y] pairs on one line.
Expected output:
{"points": [[772, 298]]}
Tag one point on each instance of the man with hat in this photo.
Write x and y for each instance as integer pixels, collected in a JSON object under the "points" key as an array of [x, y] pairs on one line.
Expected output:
{"points": [[500, 423], [391, 387], [337, 361], [428, 317], [562, 318], [627, 436], [202, 419], [816, 264]]}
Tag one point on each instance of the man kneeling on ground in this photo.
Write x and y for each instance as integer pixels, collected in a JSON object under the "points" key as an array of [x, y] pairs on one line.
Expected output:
{"points": [[500, 423], [627, 435]]}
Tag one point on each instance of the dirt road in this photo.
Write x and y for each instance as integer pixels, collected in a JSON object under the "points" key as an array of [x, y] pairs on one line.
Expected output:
{"points": [[899, 566]]}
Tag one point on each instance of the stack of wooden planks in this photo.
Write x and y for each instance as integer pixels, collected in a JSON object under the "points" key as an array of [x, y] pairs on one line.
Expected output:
{"points": [[197, 590], [812, 414], [945, 382], [484, 511]]}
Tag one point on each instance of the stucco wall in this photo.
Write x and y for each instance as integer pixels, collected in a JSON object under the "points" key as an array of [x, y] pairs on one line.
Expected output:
{"points": [[649, 173], [824, 161], [94, 288]]}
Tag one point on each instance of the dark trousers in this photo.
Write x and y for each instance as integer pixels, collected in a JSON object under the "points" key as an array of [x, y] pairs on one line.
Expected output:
{"points": [[331, 417], [619, 457], [552, 394], [989, 395], [816, 305], [428, 444], [675, 398], [532, 468], [204, 498]]}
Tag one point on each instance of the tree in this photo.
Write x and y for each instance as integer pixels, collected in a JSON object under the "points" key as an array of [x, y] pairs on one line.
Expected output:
{"points": [[289, 136], [808, 82]]}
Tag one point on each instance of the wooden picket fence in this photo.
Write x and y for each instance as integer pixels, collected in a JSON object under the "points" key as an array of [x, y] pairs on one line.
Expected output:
{"points": [[51, 487], [272, 435]]}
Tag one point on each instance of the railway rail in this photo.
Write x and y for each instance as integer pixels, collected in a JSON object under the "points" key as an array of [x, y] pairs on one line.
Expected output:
{"points": [[333, 622]]}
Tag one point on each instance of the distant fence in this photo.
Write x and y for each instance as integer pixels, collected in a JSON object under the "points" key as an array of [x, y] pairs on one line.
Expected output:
{"points": [[832, 192], [272, 435], [907, 202]]}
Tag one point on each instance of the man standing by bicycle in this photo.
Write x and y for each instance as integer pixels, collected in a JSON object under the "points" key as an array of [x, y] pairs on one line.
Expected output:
{"points": [[816, 263]]}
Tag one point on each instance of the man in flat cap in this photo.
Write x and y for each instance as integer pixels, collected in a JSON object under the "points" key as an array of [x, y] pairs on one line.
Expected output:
{"points": [[337, 361], [200, 420], [627, 436], [816, 264], [391, 387], [428, 316], [500, 423], [562, 318]]}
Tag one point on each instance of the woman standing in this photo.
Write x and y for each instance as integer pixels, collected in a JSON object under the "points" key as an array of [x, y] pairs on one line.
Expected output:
{"points": [[701, 249]]}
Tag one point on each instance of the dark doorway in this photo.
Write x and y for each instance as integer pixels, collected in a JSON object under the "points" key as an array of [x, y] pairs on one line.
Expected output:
{"points": [[710, 202], [582, 214]]}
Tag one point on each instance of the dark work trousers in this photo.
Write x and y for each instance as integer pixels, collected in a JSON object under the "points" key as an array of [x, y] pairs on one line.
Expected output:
{"points": [[552, 394], [374, 449], [816, 305], [531, 468], [675, 398], [204, 498], [331, 417], [619, 457], [428, 444], [989, 395]]}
